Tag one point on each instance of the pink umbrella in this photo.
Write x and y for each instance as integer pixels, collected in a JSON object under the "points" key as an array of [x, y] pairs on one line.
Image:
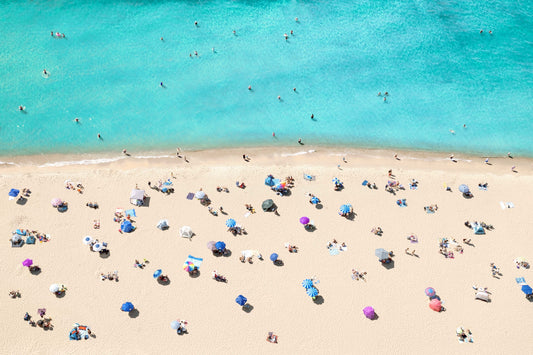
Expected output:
{"points": [[369, 312], [435, 305], [304, 220], [27, 262], [56, 202]]}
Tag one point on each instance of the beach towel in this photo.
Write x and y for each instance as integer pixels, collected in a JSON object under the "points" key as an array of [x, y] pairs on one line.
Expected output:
{"points": [[520, 280], [196, 261], [247, 214], [131, 213], [482, 188], [190, 196], [309, 177], [428, 210], [413, 187], [365, 182], [334, 251], [510, 205]]}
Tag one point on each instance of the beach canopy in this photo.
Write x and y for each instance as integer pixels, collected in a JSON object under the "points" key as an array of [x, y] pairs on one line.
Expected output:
{"points": [[315, 200], [221, 246], [126, 226], [274, 257], [435, 304], [230, 223], [13, 193], [27, 262], [464, 188], [200, 195], [307, 283], [211, 245], [369, 312], [382, 254], [55, 288], [127, 307], [268, 205], [304, 220], [269, 181], [312, 291], [174, 324], [430, 292], [56, 202], [241, 300], [16, 238], [163, 224], [186, 232], [346, 208], [136, 196], [87, 240], [527, 289], [157, 273]]}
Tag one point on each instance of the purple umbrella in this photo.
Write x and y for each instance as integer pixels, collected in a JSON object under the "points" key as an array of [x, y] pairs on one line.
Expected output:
{"points": [[41, 311], [369, 312], [304, 220], [430, 292], [27, 262]]}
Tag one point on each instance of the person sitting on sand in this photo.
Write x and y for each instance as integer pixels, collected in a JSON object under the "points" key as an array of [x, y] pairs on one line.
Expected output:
{"points": [[138, 264], [14, 294]]}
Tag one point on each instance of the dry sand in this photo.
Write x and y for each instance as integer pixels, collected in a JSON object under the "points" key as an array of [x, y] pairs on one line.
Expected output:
{"points": [[405, 325]]}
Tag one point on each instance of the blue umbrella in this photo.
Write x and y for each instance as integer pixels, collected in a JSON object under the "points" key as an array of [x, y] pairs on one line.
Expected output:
{"points": [[274, 257], [127, 307], [314, 200], [241, 300], [312, 291], [346, 208], [230, 223], [527, 289], [220, 246], [13, 192], [157, 273], [126, 226], [335, 180], [174, 324], [269, 181], [307, 283], [464, 189]]}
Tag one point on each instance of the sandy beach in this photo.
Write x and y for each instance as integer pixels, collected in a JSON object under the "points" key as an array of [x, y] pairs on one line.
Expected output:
{"points": [[335, 324]]}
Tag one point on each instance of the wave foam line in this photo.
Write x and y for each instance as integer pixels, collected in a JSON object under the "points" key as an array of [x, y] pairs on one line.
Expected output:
{"points": [[100, 160], [298, 153]]}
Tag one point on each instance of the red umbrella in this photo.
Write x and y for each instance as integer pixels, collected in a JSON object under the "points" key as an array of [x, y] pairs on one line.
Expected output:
{"points": [[435, 305]]}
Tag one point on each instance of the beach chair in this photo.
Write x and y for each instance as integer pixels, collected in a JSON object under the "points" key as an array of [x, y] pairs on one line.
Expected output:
{"points": [[271, 338], [309, 177], [483, 296]]}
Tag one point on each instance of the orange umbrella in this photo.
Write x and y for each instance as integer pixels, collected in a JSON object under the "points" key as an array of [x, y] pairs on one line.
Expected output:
{"points": [[435, 305]]}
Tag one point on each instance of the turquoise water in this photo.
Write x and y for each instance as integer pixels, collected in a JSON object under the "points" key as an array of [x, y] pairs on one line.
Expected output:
{"points": [[439, 71]]}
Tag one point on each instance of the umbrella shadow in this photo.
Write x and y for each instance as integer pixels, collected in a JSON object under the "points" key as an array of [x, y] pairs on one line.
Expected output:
{"points": [[247, 308], [35, 270], [146, 202], [376, 316], [227, 253], [60, 294], [319, 206], [195, 273], [134, 313], [105, 253], [279, 262], [351, 216], [318, 300], [468, 196], [22, 201], [310, 228], [388, 266], [164, 282]]}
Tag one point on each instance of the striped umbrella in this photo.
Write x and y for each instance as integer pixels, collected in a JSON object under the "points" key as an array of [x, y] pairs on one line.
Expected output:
{"points": [[346, 208], [312, 291], [188, 266], [307, 283], [230, 223]]}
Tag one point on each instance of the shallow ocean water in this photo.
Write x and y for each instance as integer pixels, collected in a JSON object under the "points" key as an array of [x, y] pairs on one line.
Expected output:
{"points": [[440, 72]]}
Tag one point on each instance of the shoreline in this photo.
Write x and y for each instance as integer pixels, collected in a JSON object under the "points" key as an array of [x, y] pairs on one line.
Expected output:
{"points": [[163, 158]]}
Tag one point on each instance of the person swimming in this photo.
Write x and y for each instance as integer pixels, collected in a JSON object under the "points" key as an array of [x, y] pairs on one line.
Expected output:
{"points": [[21, 108], [77, 120]]}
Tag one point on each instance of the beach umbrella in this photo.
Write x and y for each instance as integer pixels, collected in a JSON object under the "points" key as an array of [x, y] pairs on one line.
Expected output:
{"points": [[267, 205], [56, 202], [174, 324], [220, 246], [230, 223], [336, 180], [274, 257], [304, 220], [188, 266], [381, 253], [369, 312], [27, 262], [435, 304], [41, 311], [315, 200], [55, 288], [430, 292], [98, 246], [312, 291], [527, 289], [241, 300], [464, 189], [87, 240], [269, 181], [13, 193], [157, 273], [307, 283], [211, 245], [199, 195], [126, 226], [127, 307], [345, 208]]}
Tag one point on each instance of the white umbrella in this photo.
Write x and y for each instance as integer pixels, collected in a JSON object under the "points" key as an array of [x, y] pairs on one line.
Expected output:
{"points": [[55, 288], [98, 246], [186, 232], [175, 324], [199, 195], [56, 202], [87, 240]]}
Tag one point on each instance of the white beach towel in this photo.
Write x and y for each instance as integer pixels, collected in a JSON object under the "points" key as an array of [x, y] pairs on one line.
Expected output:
{"points": [[502, 205], [247, 214]]}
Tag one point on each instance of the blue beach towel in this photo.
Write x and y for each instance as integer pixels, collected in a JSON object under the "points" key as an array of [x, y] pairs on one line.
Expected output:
{"points": [[520, 280], [190, 196], [365, 182], [130, 213]]}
